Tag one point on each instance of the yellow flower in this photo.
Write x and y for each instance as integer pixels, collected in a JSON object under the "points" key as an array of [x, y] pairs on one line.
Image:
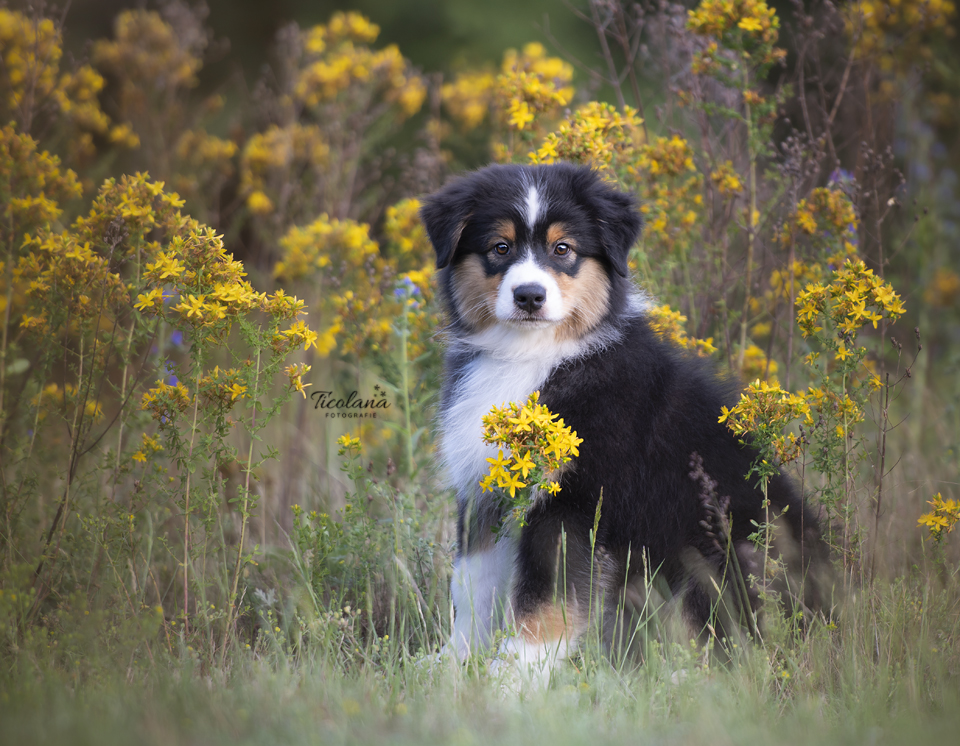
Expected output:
{"points": [[523, 464], [540, 444], [236, 390], [149, 300], [942, 519], [123, 135], [192, 307], [512, 483], [259, 203], [499, 464], [520, 114]]}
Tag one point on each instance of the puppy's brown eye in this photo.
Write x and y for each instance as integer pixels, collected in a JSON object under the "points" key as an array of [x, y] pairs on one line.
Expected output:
{"points": [[501, 248], [561, 249]]}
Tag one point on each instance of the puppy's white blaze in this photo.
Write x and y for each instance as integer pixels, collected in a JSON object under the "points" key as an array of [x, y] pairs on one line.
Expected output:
{"points": [[522, 273], [480, 587], [533, 206]]}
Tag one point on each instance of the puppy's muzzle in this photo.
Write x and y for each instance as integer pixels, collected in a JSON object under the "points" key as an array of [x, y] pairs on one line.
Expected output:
{"points": [[530, 296]]}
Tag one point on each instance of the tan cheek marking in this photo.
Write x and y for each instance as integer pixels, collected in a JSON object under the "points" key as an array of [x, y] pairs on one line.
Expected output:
{"points": [[474, 293], [547, 624], [587, 296], [506, 230]]}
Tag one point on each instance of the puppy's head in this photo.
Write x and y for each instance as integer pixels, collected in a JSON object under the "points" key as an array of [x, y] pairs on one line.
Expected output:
{"points": [[532, 247]]}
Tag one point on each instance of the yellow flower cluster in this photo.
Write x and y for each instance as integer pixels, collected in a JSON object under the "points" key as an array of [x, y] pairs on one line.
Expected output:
{"points": [[191, 281], [348, 445], [539, 443], [596, 135], [726, 180], [799, 274], [153, 61], [766, 409], [853, 297], [31, 81], [756, 366], [943, 289], [32, 184], [942, 519], [828, 405], [751, 26], [222, 387], [885, 29], [345, 257], [405, 234], [142, 206], [201, 150], [470, 97], [164, 401], [295, 374], [825, 225], [670, 324], [72, 276], [671, 194], [409, 249], [150, 445], [531, 86], [271, 158], [209, 284], [64, 400], [338, 58], [784, 286], [316, 246], [147, 54], [827, 220], [673, 157], [359, 282]]}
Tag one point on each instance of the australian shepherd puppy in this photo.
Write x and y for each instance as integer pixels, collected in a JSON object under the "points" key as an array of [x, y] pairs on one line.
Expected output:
{"points": [[533, 271]]}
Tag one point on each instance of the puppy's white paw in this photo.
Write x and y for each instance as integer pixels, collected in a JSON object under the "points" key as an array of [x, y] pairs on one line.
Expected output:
{"points": [[523, 663]]}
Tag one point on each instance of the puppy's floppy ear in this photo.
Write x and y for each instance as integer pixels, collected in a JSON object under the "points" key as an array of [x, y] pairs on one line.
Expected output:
{"points": [[618, 221], [445, 215]]}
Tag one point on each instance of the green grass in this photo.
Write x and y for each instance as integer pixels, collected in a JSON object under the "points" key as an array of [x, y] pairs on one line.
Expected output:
{"points": [[887, 672]]}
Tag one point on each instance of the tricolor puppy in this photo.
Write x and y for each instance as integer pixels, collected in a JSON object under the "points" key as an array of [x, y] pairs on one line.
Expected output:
{"points": [[533, 270]]}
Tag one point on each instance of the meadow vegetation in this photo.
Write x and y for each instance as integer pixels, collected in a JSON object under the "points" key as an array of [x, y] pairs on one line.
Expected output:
{"points": [[194, 547]]}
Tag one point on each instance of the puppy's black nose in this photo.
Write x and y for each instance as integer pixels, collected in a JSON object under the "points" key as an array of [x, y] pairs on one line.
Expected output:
{"points": [[530, 297]]}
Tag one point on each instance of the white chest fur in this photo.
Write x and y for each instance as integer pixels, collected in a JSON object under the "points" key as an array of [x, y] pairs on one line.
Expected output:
{"points": [[487, 382], [511, 364]]}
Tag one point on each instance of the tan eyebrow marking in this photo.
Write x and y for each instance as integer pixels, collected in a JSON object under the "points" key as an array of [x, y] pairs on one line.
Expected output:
{"points": [[555, 232], [505, 230]]}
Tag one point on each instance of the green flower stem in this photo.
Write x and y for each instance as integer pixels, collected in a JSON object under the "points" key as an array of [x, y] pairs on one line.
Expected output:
{"points": [[751, 227], [244, 511], [186, 505], [405, 385]]}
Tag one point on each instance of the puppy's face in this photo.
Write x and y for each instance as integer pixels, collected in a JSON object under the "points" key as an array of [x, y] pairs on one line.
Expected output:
{"points": [[531, 248]]}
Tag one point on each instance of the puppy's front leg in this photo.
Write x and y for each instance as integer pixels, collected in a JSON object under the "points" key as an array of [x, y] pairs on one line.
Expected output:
{"points": [[480, 588], [546, 612]]}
